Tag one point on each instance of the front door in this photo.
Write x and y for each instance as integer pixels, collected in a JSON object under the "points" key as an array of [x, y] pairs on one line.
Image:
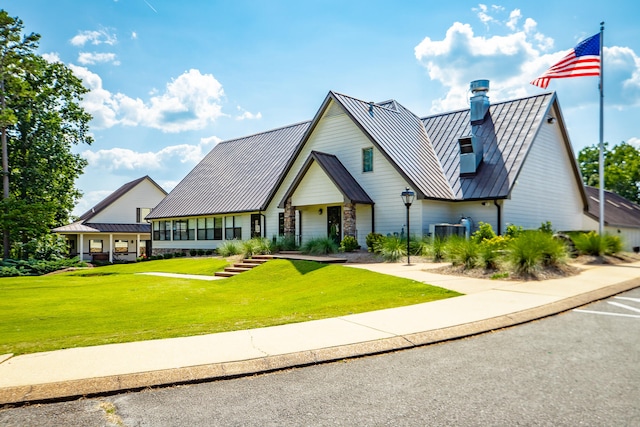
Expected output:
{"points": [[255, 226], [334, 222]]}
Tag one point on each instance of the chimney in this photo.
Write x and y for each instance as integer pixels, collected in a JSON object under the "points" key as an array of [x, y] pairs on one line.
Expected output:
{"points": [[471, 150], [479, 100]]}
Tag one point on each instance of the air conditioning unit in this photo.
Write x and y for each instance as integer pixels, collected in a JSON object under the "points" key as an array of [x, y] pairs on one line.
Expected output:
{"points": [[442, 231]]}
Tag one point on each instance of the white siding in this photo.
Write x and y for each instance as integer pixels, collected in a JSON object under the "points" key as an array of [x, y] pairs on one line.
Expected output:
{"points": [[123, 210], [316, 188], [547, 189], [337, 134]]}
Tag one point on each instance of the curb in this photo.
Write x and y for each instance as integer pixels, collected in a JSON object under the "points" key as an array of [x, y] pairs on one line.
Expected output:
{"points": [[68, 390]]}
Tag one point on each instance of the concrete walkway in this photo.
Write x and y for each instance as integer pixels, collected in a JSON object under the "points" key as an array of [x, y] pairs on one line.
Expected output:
{"points": [[486, 305]]}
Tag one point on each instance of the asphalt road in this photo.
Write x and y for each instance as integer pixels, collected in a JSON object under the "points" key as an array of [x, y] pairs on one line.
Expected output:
{"points": [[577, 368]]}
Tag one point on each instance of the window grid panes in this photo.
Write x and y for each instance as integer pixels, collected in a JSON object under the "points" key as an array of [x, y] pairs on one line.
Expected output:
{"points": [[367, 160]]}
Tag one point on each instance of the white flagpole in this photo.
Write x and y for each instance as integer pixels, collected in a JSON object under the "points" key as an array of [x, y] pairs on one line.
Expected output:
{"points": [[601, 146]]}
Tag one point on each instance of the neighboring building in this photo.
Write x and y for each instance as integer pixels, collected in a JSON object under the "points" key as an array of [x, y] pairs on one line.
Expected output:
{"points": [[343, 172], [116, 228], [621, 217]]}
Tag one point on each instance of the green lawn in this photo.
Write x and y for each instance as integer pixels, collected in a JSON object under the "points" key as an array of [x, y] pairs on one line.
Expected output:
{"points": [[112, 304]]}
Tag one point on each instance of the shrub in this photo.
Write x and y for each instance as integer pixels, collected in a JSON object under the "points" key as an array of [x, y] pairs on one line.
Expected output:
{"points": [[285, 243], [484, 232], [490, 252], [545, 227], [200, 252], [256, 246], [229, 248], [349, 244], [33, 267], [513, 231], [461, 251], [613, 244], [320, 246], [208, 252], [168, 256], [193, 252], [533, 249], [590, 243], [437, 249], [374, 241], [419, 246], [392, 248]]}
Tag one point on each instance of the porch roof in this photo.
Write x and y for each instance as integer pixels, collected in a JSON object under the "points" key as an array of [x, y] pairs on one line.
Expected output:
{"points": [[339, 175], [81, 227]]}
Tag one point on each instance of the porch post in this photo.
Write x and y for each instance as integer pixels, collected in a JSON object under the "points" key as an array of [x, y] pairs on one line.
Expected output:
{"points": [[138, 247], [81, 247], [110, 248], [349, 219], [289, 219]]}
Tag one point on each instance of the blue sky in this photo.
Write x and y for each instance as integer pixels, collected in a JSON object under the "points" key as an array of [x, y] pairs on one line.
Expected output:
{"points": [[169, 79]]}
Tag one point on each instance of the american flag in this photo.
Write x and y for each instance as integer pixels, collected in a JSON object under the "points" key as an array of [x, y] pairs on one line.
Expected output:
{"points": [[582, 61]]}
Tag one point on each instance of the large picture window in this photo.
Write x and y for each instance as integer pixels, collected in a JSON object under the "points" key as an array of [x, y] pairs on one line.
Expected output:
{"points": [[210, 228], [232, 230], [180, 229], [162, 230], [367, 159]]}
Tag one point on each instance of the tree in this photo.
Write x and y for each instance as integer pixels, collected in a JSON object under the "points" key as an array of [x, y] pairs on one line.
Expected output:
{"points": [[621, 169], [41, 119]]}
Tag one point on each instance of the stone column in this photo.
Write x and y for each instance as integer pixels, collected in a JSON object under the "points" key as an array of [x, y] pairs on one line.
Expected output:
{"points": [[289, 219], [349, 219]]}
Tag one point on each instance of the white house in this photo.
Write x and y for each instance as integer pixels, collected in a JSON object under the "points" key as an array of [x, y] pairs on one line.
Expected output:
{"points": [[116, 228], [343, 172], [621, 217]]}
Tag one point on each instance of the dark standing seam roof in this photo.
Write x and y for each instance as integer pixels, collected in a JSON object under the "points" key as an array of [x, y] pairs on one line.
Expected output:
{"points": [[400, 136], [339, 175], [618, 211], [239, 175], [506, 135], [115, 196]]}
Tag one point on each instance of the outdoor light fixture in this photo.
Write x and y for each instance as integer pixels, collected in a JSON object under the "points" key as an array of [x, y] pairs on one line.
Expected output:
{"points": [[320, 211], [551, 120], [407, 197]]}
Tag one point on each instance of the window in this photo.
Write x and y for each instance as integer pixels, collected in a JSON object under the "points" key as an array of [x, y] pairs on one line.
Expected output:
{"points": [[95, 246], [232, 232], [281, 224], [121, 246], [141, 214], [367, 159], [162, 230], [210, 228], [181, 229]]}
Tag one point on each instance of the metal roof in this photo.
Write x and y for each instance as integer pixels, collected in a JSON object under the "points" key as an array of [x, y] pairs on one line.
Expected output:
{"points": [[81, 227], [401, 137], [618, 211], [506, 134], [239, 175], [104, 203], [339, 175]]}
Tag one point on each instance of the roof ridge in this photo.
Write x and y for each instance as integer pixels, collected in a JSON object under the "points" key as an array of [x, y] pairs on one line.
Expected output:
{"points": [[375, 104], [264, 132], [444, 113]]}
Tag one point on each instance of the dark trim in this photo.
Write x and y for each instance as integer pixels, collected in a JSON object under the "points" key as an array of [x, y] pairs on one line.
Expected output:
{"points": [[499, 216]]}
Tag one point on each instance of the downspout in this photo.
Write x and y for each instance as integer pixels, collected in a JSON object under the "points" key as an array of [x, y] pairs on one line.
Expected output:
{"points": [[499, 212]]}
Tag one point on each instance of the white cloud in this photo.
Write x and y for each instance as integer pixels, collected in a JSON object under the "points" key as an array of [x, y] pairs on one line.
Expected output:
{"points": [[512, 60], [134, 35], [51, 57], [189, 102], [246, 115], [86, 58], [94, 37], [125, 159]]}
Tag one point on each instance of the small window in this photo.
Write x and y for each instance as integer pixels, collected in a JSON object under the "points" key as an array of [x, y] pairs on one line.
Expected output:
{"points": [[281, 224], [162, 230], [367, 159], [121, 246], [141, 214], [95, 246]]}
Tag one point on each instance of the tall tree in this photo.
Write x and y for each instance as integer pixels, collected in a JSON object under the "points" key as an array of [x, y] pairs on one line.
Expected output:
{"points": [[41, 119], [621, 169]]}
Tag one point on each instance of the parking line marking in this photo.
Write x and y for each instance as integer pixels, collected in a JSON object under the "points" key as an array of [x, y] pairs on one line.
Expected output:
{"points": [[629, 299], [617, 304], [608, 314]]}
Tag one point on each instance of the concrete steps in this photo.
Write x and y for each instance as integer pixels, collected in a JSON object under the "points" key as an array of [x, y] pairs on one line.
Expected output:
{"points": [[245, 265]]}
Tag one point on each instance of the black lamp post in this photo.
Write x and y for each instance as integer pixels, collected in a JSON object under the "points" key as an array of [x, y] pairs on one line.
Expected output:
{"points": [[407, 197]]}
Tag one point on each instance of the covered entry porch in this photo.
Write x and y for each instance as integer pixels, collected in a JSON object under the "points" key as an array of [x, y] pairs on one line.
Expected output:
{"points": [[329, 202]]}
